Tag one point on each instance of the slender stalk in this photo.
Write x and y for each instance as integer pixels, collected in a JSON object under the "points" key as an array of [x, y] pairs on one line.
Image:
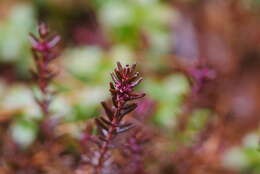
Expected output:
{"points": [[43, 53], [124, 81]]}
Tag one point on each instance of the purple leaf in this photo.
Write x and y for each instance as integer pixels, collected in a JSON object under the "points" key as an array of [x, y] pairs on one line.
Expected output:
{"points": [[108, 111], [34, 41], [53, 41], [101, 124]]}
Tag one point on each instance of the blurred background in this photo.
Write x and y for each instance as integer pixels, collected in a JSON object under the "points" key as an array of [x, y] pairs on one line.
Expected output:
{"points": [[200, 60]]}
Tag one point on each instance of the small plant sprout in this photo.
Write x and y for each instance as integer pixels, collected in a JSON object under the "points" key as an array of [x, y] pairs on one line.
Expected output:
{"points": [[42, 47], [125, 79]]}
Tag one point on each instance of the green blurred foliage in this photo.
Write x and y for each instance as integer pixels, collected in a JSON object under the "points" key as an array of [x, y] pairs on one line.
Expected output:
{"points": [[244, 158], [14, 45], [24, 131], [170, 93]]}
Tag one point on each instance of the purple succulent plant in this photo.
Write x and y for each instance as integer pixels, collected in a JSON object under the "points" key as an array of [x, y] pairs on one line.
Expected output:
{"points": [[43, 53], [122, 91], [200, 76]]}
